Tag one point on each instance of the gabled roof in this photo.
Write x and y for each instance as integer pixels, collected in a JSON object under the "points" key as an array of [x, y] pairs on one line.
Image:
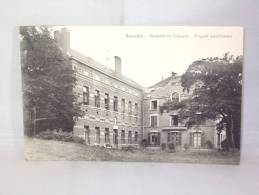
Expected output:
{"points": [[165, 81], [101, 68]]}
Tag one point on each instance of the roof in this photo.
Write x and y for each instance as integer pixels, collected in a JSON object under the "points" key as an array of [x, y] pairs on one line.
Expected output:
{"points": [[88, 61], [165, 81]]}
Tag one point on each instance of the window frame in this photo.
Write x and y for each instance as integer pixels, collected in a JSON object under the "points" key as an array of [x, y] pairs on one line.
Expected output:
{"points": [[157, 104], [150, 119]]}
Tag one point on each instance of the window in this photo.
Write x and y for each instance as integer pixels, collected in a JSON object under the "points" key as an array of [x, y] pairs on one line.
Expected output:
{"points": [[122, 136], [175, 97], [129, 137], [154, 138], [87, 134], [97, 99], [136, 109], [85, 95], [115, 103], [153, 105], [136, 137], [97, 135], [197, 140], [107, 136], [123, 105], [115, 137], [174, 120], [153, 120], [130, 107], [174, 138], [107, 101]]}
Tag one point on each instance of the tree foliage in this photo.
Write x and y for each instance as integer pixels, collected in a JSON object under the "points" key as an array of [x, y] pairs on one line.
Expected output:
{"points": [[48, 78], [217, 89]]}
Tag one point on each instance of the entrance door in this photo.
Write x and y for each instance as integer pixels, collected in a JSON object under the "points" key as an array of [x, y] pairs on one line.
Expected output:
{"points": [[174, 138]]}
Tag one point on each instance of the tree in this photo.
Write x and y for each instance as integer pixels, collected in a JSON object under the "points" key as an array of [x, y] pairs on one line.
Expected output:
{"points": [[48, 79], [217, 90], [215, 86]]}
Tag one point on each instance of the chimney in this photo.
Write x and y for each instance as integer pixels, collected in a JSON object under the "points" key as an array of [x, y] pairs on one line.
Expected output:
{"points": [[117, 61], [63, 39], [173, 74]]}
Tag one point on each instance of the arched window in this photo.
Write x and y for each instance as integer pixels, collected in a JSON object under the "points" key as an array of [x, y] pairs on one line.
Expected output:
{"points": [[175, 97]]}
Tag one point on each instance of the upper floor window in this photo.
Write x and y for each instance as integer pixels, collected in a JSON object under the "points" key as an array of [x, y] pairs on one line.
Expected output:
{"points": [[122, 136], [175, 97], [97, 99], [130, 107], [174, 120], [153, 105], [115, 103], [107, 101], [123, 105], [85, 95], [136, 108], [136, 137], [153, 121], [129, 137]]}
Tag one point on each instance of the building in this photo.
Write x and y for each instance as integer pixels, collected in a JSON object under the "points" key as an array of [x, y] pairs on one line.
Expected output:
{"points": [[119, 112], [112, 102], [162, 126]]}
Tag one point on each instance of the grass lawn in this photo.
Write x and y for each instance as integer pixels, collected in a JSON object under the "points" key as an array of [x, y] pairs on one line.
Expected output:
{"points": [[39, 149]]}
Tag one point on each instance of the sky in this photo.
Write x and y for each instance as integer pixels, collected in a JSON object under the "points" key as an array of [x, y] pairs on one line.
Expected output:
{"points": [[150, 53]]}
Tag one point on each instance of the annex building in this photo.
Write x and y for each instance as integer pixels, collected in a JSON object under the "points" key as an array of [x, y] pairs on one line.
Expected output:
{"points": [[119, 112]]}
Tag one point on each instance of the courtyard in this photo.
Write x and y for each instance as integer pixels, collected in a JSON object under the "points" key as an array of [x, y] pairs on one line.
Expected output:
{"points": [[39, 149]]}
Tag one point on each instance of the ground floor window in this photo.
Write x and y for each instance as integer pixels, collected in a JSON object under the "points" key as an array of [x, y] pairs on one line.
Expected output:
{"points": [[97, 135], [87, 134], [220, 137], [130, 137], [122, 136], [174, 138], [115, 137], [136, 137], [154, 138], [107, 136], [196, 139]]}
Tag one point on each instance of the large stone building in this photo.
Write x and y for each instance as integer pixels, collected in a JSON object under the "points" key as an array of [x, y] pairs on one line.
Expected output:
{"points": [[165, 126], [119, 112], [112, 102]]}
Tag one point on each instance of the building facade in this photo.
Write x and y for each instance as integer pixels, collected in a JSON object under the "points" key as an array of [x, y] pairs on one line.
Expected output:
{"points": [[119, 112], [111, 102]]}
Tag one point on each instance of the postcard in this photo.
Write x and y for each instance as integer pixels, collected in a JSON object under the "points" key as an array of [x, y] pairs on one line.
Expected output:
{"points": [[132, 93]]}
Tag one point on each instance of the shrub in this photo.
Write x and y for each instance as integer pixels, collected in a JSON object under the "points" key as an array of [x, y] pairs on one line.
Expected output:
{"points": [[163, 146], [128, 148], [186, 146], [143, 143], [59, 136], [209, 144], [78, 140], [225, 145], [171, 147]]}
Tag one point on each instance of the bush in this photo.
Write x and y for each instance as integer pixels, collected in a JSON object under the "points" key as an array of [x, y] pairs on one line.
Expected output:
{"points": [[209, 144], [163, 146], [171, 147], [59, 136], [78, 140], [143, 143], [186, 146], [128, 148]]}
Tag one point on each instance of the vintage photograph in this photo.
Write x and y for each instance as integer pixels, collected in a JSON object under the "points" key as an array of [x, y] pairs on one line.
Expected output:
{"points": [[132, 93]]}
